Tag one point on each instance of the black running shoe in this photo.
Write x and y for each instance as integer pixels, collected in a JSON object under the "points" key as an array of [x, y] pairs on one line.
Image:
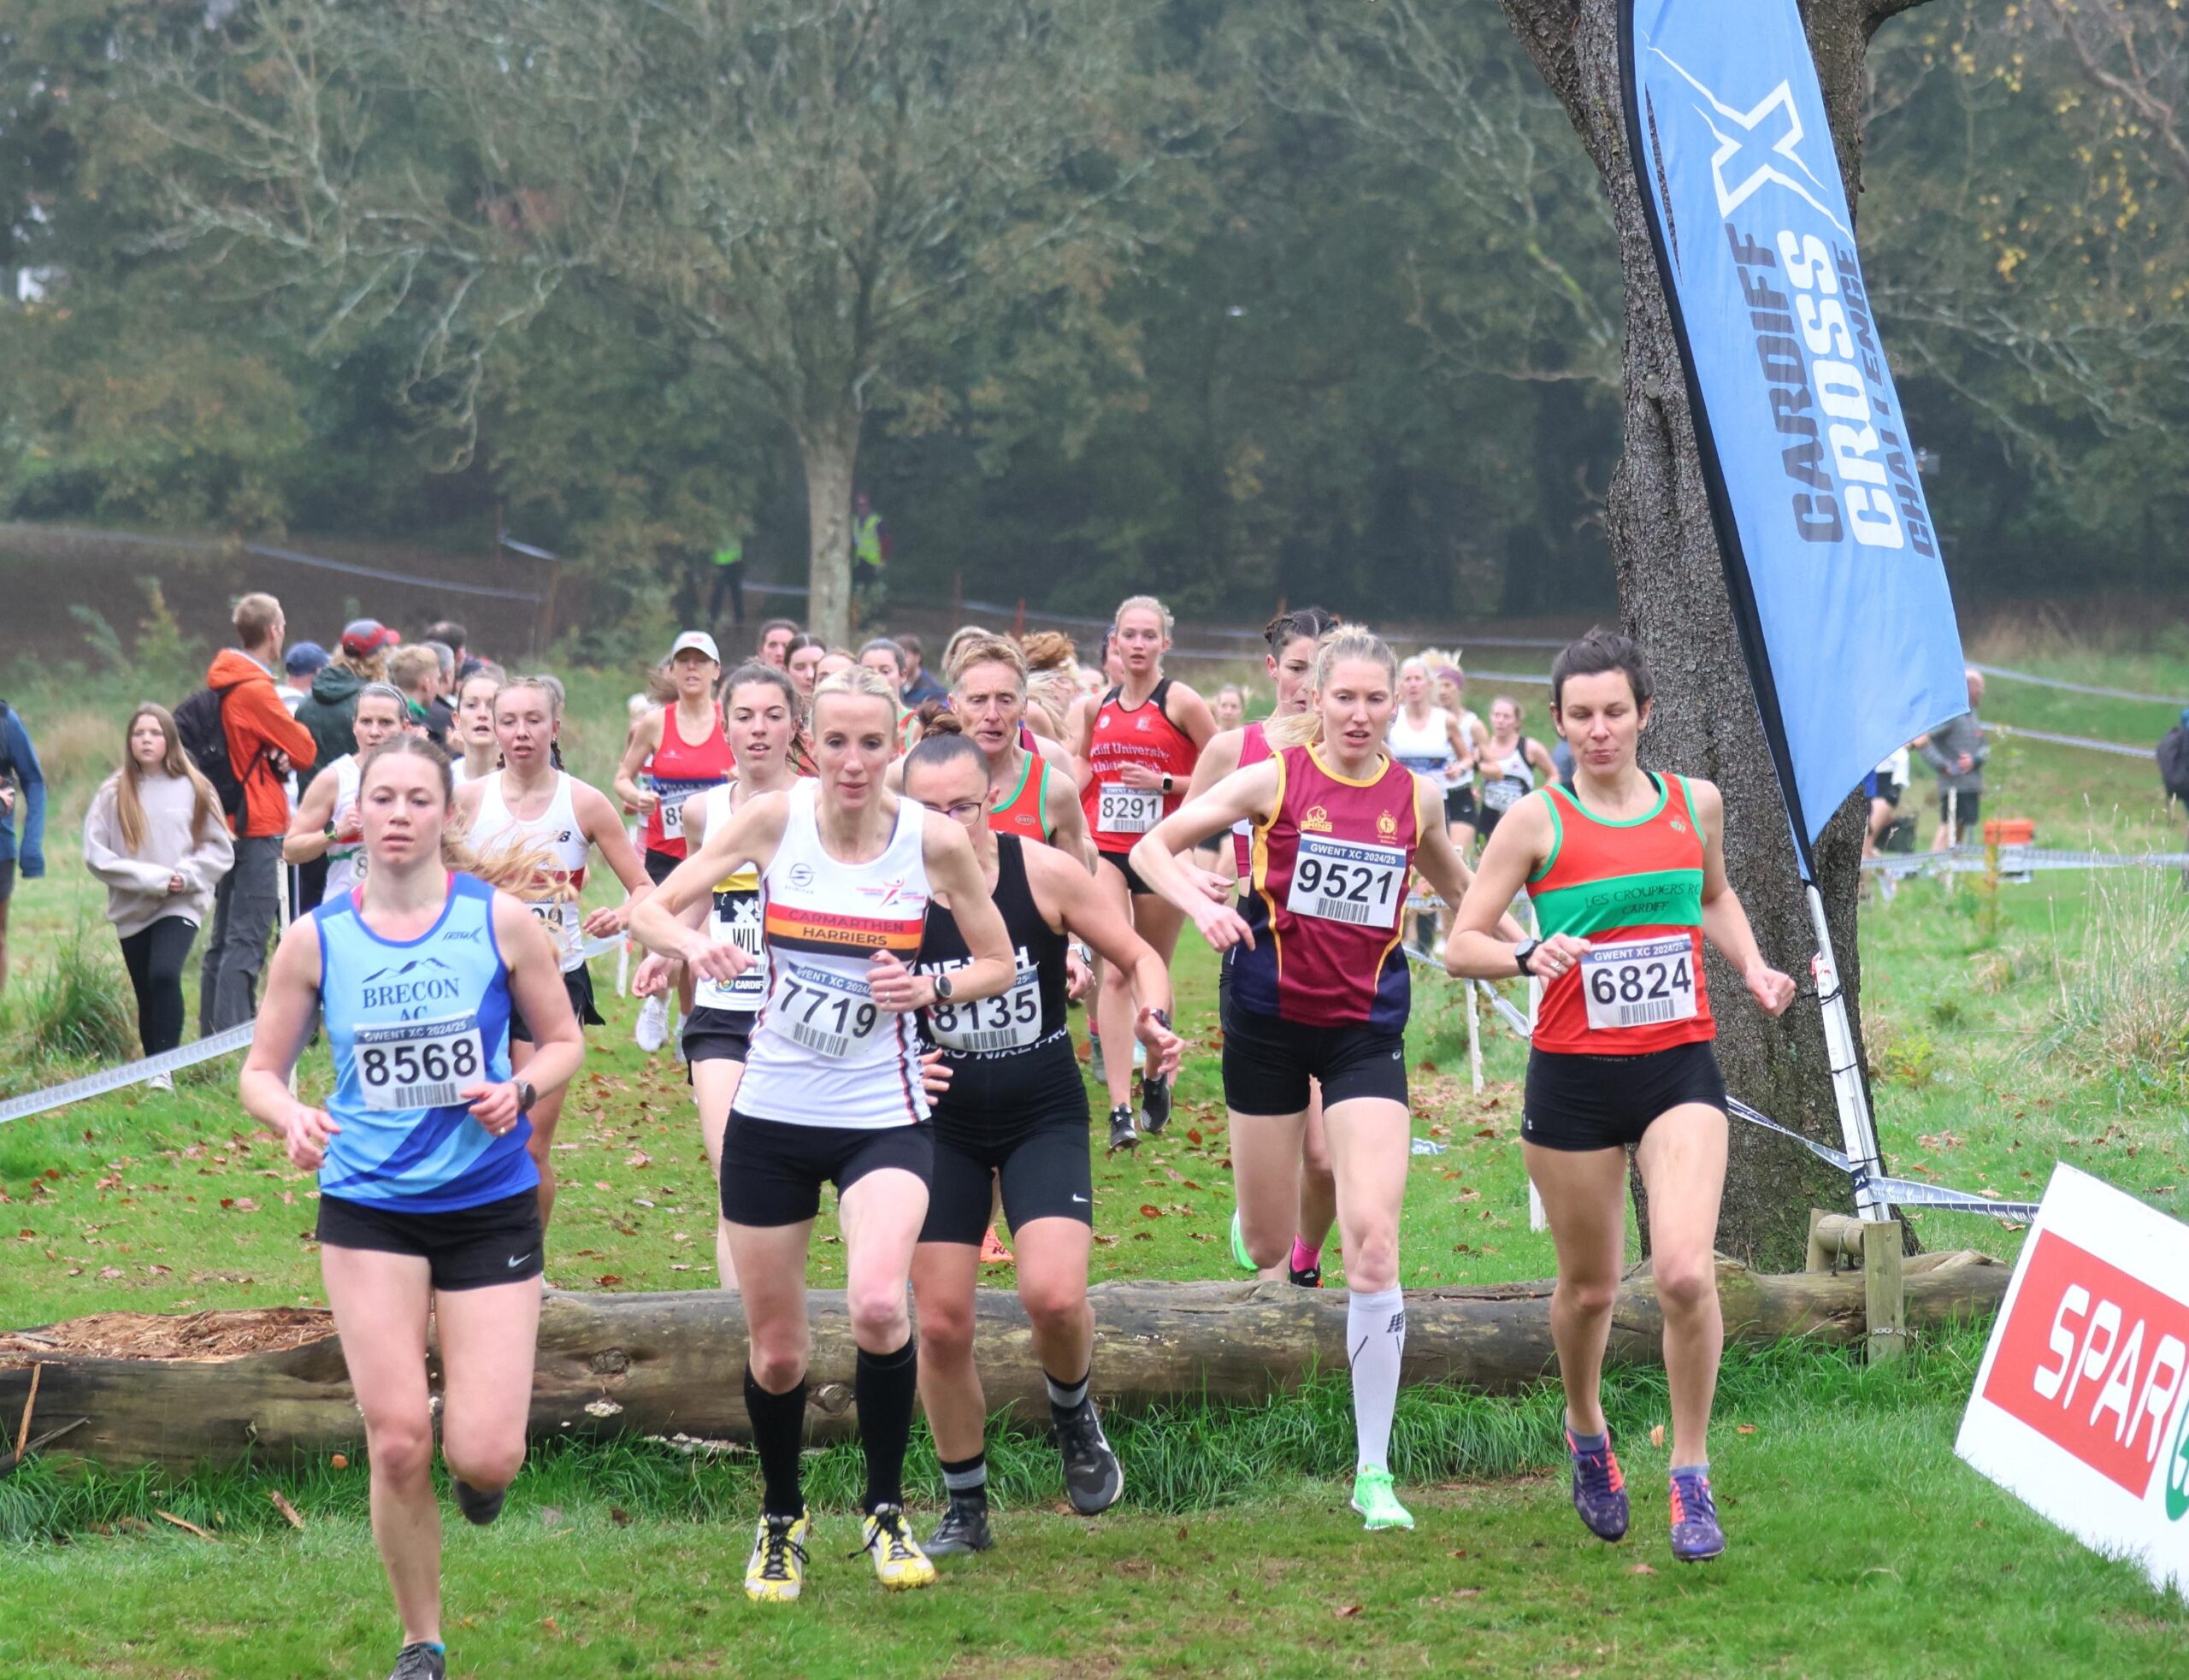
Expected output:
{"points": [[1311, 1278], [479, 1508], [963, 1528], [1154, 1104], [420, 1661], [1122, 1135], [1092, 1475]]}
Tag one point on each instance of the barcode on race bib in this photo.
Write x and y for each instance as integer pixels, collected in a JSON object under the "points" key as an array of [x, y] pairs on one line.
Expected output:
{"points": [[417, 1063], [1128, 810], [829, 1014], [1339, 881], [1010, 1020], [1640, 983]]}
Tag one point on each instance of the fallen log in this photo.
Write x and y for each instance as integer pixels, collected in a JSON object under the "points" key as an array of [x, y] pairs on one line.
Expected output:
{"points": [[670, 1365]]}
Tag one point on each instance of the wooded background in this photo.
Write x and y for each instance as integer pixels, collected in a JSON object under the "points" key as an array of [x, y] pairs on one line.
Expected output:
{"points": [[1232, 301]]}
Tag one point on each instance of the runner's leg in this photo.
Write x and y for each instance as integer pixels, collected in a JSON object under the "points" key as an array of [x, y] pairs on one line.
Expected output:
{"points": [[488, 1337], [944, 1275], [1266, 1179], [714, 1085], [1584, 1195], [1682, 1159], [772, 1259], [380, 1302], [882, 1214], [1369, 1140], [1114, 1008], [1318, 1193], [1053, 1256]]}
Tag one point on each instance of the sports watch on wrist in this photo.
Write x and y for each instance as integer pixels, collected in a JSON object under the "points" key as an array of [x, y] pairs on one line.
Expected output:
{"points": [[1166, 785], [1161, 1017], [941, 984], [1524, 953], [526, 1096]]}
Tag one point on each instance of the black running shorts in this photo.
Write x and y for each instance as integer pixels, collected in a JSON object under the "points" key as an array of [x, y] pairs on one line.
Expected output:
{"points": [[578, 983], [1269, 1063], [1607, 1102], [465, 1248], [1026, 1126], [772, 1171], [1967, 815], [717, 1034], [1460, 805], [1122, 863]]}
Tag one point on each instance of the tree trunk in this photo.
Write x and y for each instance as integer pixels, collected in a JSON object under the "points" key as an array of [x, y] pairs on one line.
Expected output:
{"points": [[671, 1364], [1672, 600], [829, 448]]}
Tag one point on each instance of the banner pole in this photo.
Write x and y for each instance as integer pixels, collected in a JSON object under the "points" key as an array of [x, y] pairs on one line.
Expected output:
{"points": [[1856, 1127], [1474, 1038]]}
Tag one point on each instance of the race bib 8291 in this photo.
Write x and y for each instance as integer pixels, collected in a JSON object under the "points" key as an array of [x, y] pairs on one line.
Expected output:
{"points": [[1128, 810]]}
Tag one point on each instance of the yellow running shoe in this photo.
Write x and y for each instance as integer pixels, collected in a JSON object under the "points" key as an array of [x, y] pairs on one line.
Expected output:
{"points": [[777, 1569], [898, 1563]]}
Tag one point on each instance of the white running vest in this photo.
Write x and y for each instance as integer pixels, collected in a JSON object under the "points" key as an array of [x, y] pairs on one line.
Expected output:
{"points": [[822, 1053], [556, 832], [342, 860]]}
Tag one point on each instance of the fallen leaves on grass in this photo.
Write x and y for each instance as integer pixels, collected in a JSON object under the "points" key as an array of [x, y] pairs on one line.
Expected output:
{"points": [[169, 1517], [1657, 1436], [1640, 1569], [287, 1509], [1347, 1610]]}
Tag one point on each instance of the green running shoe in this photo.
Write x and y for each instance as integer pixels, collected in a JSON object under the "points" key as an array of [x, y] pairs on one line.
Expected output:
{"points": [[1239, 1257], [1373, 1497]]}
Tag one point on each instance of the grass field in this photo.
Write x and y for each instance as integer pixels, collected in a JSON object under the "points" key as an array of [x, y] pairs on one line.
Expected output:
{"points": [[2007, 1029]]}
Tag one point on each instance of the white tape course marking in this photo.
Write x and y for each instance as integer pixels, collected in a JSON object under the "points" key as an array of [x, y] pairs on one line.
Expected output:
{"points": [[2073, 687], [130, 1073]]}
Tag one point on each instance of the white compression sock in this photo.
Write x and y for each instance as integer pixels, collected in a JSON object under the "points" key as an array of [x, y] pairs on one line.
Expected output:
{"points": [[1375, 1340]]}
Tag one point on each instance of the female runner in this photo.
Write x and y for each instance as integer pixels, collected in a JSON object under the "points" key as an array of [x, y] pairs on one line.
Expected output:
{"points": [[684, 752], [765, 717], [1461, 807], [1292, 638], [833, 1090], [1627, 873], [1015, 1110], [1317, 990], [475, 725], [1432, 742], [427, 1194], [1511, 763], [328, 823], [1138, 744], [530, 805]]}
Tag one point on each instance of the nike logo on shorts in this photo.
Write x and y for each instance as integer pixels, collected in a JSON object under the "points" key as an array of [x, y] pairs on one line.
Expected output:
{"points": [[518, 1260], [1078, 1198]]}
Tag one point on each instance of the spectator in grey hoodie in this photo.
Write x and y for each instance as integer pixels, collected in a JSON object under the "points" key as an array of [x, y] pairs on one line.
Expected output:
{"points": [[1955, 749], [156, 836]]}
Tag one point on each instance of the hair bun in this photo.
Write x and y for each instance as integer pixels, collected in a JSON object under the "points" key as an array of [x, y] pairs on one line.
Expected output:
{"points": [[937, 719]]}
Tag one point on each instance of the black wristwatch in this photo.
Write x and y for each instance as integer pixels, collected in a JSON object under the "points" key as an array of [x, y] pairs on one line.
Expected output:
{"points": [[941, 984], [1523, 952], [526, 1096], [1161, 1017], [1167, 787]]}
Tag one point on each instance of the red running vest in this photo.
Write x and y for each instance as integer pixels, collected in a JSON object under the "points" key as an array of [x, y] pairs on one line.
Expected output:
{"points": [[1329, 876], [1118, 816]]}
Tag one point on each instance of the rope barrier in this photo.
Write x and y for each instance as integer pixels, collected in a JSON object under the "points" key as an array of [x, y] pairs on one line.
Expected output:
{"points": [[2012, 675], [2016, 860], [2083, 741]]}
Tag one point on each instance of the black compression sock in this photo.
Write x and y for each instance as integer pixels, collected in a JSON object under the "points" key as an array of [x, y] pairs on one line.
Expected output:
{"points": [[967, 1479], [883, 1386], [778, 1431], [1067, 1396]]}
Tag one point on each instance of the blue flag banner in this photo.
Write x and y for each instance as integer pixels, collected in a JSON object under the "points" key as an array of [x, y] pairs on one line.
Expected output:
{"points": [[1831, 560]]}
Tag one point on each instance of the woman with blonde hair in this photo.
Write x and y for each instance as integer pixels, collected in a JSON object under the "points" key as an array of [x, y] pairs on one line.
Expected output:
{"points": [[1316, 990], [156, 837]]}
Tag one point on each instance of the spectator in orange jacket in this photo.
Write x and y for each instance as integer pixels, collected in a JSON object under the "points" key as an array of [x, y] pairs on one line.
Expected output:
{"points": [[264, 745]]}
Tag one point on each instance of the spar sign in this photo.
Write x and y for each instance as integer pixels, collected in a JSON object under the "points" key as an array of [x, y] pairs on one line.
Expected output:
{"points": [[2081, 1408]]}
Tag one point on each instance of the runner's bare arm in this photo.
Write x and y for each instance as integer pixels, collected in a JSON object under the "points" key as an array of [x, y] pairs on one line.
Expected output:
{"points": [[308, 838], [1248, 795], [750, 836], [646, 740], [286, 1015], [1186, 708], [1724, 923], [536, 971], [1439, 861], [1068, 821], [1477, 949]]}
